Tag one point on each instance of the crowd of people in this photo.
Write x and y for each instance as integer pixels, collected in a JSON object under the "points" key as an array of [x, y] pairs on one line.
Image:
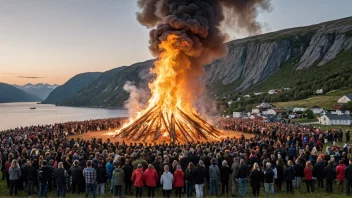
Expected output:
{"points": [[39, 159]]}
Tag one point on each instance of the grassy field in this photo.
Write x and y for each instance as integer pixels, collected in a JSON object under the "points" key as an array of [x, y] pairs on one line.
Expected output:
{"points": [[326, 101]]}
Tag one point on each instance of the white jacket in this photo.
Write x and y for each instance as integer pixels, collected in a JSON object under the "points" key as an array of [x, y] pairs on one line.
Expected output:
{"points": [[167, 179]]}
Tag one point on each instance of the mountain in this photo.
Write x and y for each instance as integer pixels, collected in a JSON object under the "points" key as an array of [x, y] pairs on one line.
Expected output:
{"points": [[303, 58], [71, 87], [40, 90], [107, 90], [9, 93]]}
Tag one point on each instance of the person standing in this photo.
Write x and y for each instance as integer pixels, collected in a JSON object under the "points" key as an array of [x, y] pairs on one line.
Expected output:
{"points": [[150, 176], [308, 176], [14, 176], [90, 176], [269, 179], [128, 170], [256, 178], [214, 174], [242, 178], [179, 180], [76, 173], [44, 175], [190, 179], [340, 175], [101, 179], [32, 178], [225, 173], [348, 135], [166, 181], [299, 173], [319, 172], [118, 176], [330, 175], [200, 175], [289, 176], [348, 177], [137, 179], [235, 167], [60, 178]]}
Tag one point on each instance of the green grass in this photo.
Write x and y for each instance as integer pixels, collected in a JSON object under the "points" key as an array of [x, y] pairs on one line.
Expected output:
{"points": [[304, 120]]}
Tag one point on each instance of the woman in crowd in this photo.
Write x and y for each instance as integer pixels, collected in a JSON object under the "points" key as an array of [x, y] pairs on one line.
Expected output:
{"points": [[308, 176], [166, 181], [225, 173], [256, 178], [14, 176], [289, 176], [179, 181]]}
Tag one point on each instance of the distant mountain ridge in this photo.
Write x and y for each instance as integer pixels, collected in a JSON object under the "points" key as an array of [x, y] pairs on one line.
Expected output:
{"points": [[41, 90], [9, 93], [71, 87], [293, 58]]}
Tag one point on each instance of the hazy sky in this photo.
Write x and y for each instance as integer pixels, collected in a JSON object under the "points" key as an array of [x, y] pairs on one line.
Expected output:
{"points": [[52, 40]]}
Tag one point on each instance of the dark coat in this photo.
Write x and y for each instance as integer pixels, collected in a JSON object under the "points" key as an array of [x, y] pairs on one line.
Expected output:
{"points": [[348, 173], [60, 176], [329, 173], [256, 177], [32, 174], [191, 175], [289, 174], [44, 174], [128, 170], [299, 170], [76, 173], [225, 173], [242, 171], [200, 174], [319, 170], [101, 175]]}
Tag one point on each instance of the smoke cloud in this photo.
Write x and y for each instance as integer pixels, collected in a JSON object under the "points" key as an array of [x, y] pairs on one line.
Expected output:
{"points": [[135, 102]]}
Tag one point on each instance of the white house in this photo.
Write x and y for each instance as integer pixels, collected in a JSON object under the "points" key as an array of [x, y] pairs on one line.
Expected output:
{"points": [[255, 111], [273, 111], [319, 91], [271, 92], [331, 119], [257, 94], [316, 109], [265, 105], [247, 96], [345, 99], [299, 109], [236, 114]]}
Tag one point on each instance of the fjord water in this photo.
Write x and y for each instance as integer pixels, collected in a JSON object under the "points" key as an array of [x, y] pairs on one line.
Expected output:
{"points": [[19, 114]]}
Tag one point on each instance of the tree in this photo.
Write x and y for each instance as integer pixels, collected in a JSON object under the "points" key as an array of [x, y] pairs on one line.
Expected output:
{"points": [[348, 106], [310, 114]]}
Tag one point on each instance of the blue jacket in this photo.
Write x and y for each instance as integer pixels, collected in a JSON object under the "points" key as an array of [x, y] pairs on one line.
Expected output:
{"points": [[109, 169], [292, 152]]}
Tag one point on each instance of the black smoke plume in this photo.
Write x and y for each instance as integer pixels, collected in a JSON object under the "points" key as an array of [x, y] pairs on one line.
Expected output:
{"points": [[197, 23]]}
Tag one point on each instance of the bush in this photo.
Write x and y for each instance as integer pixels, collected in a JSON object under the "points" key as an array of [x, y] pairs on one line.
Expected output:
{"points": [[310, 114]]}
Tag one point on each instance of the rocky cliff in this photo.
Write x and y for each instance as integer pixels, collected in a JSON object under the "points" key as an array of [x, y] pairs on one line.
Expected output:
{"points": [[250, 63], [253, 60]]}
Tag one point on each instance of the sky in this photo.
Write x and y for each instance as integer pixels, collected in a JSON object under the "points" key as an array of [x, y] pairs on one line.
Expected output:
{"points": [[50, 41]]}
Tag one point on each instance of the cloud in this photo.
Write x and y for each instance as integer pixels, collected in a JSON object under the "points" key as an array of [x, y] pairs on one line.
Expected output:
{"points": [[30, 77]]}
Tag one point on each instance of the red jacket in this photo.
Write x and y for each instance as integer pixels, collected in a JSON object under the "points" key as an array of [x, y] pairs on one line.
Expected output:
{"points": [[137, 177], [150, 176], [7, 166], [340, 172], [308, 174], [179, 178]]}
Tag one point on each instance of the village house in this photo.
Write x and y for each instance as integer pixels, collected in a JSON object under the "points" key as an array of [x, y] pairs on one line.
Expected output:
{"points": [[319, 91], [345, 99], [298, 109], [255, 111], [331, 119], [271, 92], [229, 102], [236, 114], [246, 96], [257, 94], [265, 105], [273, 112], [316, 109]]}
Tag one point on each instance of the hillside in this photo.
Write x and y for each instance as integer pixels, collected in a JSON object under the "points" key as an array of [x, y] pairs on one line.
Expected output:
{"points": [[326, 101], [304, 59], [107, 90], [71, 87], [9, 93], [40, 90]]}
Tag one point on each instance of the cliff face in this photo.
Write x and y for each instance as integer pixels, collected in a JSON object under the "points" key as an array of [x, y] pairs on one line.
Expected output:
{"points": [[250, 63], [254, 59]]}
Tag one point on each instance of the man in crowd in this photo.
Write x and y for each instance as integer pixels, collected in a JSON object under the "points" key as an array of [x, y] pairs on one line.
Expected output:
{"points": [[90, 177]]}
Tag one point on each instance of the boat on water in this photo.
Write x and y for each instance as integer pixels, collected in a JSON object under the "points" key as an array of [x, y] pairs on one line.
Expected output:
{"points": [[33, 108]]}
